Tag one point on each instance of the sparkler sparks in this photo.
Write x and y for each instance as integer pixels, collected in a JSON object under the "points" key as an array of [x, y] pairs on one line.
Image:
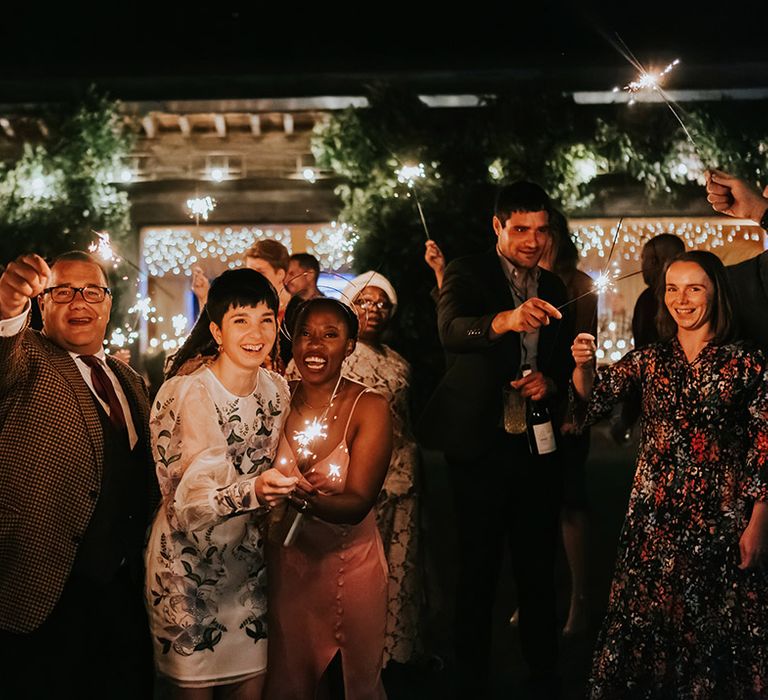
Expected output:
{"points": [[304, 438], [103, 247], [200, 207], [408, 174], [647, 80]]}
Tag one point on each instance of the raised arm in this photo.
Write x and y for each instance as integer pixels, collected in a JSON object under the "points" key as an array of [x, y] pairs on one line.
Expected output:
{"points": [[370, 450], [23, 280]]}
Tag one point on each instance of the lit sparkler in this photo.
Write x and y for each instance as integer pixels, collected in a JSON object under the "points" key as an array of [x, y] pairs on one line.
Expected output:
{"points": [[648, 80], [103, 248], [142, 306], [408, 174], [315, 429], [200, 207]]}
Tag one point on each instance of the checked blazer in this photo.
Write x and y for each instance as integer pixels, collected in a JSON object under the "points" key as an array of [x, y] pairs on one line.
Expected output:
{"points": [[51, 462]]}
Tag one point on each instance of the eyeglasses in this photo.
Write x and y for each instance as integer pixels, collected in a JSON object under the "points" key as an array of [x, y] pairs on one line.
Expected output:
{"points": [[369, 304], [64, 294]]}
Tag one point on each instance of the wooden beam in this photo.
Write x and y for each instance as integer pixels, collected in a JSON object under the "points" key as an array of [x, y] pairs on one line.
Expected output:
{"points": [[149, 126], [5, 124], [255, 125], [288, 123], [185, 128], [221, 125]]}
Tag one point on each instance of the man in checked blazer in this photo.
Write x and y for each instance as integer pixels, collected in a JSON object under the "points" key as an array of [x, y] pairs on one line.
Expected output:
{"points": [[496, 312], [76, 484]]}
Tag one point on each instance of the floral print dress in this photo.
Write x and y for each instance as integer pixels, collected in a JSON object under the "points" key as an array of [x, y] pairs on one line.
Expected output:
{"points": [[683, 620], [206, 579]]}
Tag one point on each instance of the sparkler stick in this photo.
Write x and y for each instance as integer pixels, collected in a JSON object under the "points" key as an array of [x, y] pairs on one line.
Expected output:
{"points": [[604, 280], [408, 174]]}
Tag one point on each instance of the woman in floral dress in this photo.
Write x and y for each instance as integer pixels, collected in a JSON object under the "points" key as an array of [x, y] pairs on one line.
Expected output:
{"points": [[688, 609], [214, 435]]}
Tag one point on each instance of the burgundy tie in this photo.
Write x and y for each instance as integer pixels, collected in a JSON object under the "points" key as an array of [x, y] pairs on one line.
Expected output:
{"points": [[105, 391]]}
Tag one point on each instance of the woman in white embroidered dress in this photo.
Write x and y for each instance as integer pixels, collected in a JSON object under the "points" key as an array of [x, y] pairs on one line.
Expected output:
{"points": [[214, 435]]}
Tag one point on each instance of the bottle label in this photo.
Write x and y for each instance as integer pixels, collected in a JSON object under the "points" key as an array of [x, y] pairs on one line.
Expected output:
{"points": [[545, 438]]}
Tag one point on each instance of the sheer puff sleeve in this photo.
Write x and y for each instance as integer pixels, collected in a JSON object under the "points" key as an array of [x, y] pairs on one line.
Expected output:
{"points": [[198, 483]]}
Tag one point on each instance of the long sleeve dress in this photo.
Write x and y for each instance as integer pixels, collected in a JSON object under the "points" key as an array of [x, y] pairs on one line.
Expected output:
{"points": [[683, 620], [397, 509], [206, 576]]}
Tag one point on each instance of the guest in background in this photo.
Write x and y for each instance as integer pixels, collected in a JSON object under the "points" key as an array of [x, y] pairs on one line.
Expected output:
{"points": [[301, 282], [214, 435], [379, 367]]}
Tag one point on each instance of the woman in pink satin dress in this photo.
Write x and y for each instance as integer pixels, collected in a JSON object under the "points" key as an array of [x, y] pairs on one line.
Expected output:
{"points": [[328, 588]]}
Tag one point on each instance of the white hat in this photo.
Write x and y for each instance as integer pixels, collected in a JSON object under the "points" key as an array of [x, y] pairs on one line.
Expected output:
{"points": [[369, 279]]}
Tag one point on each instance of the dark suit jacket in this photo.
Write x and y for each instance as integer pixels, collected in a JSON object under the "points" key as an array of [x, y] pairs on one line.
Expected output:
{"points": [[464, 414], [51, 461], [749, 285]]}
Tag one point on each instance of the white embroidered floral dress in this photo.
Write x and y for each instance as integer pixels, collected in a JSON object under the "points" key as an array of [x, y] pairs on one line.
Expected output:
{"points": [[206, 580]]}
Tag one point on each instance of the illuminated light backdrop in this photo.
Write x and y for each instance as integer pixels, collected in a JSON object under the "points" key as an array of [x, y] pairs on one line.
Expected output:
{"points": [[170, 252]]}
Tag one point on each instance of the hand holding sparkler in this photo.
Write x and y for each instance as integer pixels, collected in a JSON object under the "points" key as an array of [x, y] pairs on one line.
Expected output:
{"points": [[200, 285], [584, 351], [272, 486], [434, 257], [23, 279], [529, 316], [732, 196]]}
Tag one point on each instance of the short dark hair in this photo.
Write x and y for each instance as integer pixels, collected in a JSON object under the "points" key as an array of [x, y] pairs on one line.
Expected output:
{"points": [[307, 261], [81, 256], [241, 287], [231, 289], [721, 313], [274, 252], [521, 196], [346, 314]]}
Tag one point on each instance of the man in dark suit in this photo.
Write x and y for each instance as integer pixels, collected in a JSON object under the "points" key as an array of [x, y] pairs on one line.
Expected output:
{"points": [[497, 311], [76, 491], [749, 279]]}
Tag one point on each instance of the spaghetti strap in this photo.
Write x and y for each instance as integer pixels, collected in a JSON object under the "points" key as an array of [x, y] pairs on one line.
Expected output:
{"points": [[354, 405]]}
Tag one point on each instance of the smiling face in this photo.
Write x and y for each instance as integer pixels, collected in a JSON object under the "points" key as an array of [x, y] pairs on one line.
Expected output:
{"points": [[76, 326], [688, 295], [246, 335], [321, 343], [523, 237]]}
